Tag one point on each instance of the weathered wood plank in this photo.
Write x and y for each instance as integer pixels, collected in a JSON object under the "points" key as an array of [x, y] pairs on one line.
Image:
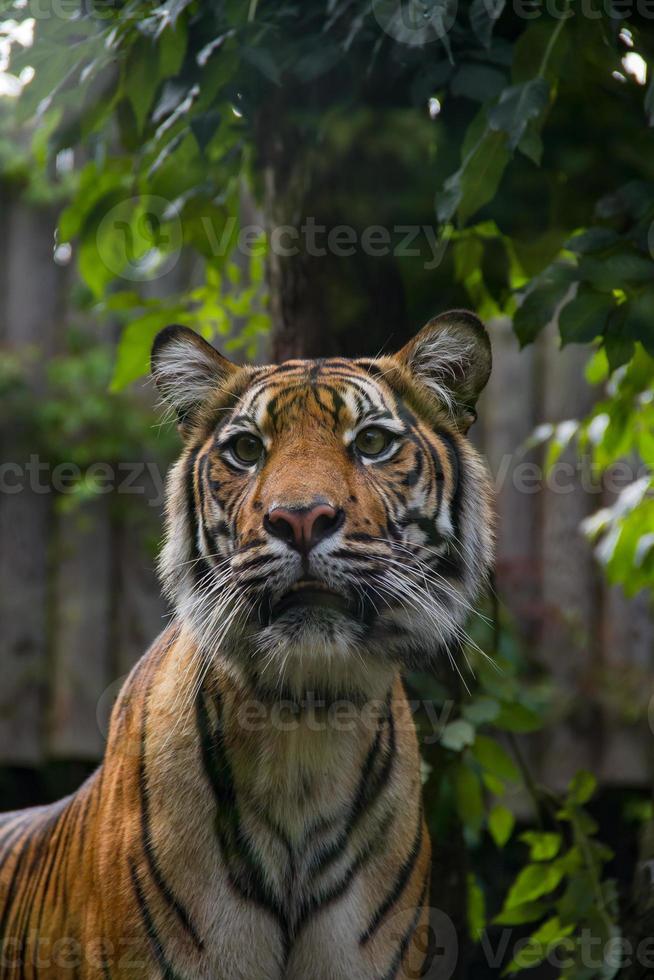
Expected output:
{"points": [[509, 413], [82, 590], [31, 298], [141, 613], [569, 640]]}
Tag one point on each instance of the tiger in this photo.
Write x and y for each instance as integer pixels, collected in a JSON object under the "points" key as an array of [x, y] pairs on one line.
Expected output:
{"points": [[258, 813]]}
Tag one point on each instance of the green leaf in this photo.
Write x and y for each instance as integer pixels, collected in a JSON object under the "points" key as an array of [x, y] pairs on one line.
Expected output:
{"points": [[578, 898], [633, 200], [538, 48], [621, 270], [133, 357], [531, 143], [172, 49], [481, 710], [500, 824], [172, 95], [581, 788], [494, 785], [95, 272], [476, 181], [544, 845], [539, 945], [476, 909], [469, 798], [477, 82], [204, 127], [96, 188], [141, 78], [638, 321], [585, 316], [457, 735], [517, 105], [518, 718], [169, 11], [619, 346], [541, 303], [533, 881], [521, 914], [317, 60], [263, 60], [592, 240], [493, 757]]}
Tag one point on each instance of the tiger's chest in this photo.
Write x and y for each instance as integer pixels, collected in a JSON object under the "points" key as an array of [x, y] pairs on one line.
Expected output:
{"points": [[280, 909], [279, 857], [249, 944]]}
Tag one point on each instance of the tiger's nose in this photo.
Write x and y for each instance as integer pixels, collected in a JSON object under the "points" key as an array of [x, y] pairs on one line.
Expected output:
{"points": [[303, 527]]}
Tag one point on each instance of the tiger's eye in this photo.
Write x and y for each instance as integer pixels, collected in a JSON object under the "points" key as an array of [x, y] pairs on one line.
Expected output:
{"points": [[372, 441], [247, 449]]}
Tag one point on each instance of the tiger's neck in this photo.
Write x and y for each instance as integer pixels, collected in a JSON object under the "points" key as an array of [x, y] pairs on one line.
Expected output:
{"points": [[211, 738]]}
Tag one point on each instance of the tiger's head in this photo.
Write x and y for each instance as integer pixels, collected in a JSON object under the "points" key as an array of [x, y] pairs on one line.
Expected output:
{"points": [[328, 520]]}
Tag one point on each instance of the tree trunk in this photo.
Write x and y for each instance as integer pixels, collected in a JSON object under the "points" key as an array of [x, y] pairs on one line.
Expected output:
{"points": [[326, 297]]}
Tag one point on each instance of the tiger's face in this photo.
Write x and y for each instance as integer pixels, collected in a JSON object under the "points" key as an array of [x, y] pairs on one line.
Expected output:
{"points": [[328, 520]]}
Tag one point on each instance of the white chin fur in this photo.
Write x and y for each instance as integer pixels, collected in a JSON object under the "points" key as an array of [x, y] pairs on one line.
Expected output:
{"points": [[318, 650]]}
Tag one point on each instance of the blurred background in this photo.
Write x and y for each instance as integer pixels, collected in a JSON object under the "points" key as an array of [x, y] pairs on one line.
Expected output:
{"points": [[316, 180]]}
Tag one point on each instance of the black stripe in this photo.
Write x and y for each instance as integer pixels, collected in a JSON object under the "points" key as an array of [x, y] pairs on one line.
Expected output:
{"points": [[35, 875], [13, 884], [150, 928], [52, 863], [401, 881], [452, 563], [337, 890], [63, 843], [148, 847], [391, 973], [245, 873], [214, 758], [199, 567], [414, 474], [370, 786], [370, 789], [9, 835]]}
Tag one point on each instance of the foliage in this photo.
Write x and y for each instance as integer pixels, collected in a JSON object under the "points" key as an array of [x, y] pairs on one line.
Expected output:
{"points": [[476, 774], [73, 426], [171, 100]]}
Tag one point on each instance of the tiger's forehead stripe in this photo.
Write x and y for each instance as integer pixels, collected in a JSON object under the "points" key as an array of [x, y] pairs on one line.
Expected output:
{"points": [[337, 387]]}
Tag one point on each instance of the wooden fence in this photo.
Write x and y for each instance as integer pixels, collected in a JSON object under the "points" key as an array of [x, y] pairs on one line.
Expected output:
{"points": [[79, 601]]}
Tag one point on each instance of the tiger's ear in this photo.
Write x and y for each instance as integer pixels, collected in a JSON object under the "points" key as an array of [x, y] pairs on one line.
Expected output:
{"points": [[186, 369], [451, 357]]}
